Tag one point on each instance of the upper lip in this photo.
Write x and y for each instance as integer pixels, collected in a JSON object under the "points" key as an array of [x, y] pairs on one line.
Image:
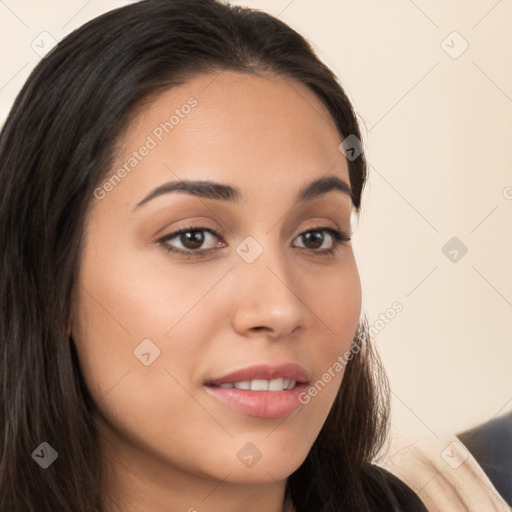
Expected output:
{"points": [[264, 371]]}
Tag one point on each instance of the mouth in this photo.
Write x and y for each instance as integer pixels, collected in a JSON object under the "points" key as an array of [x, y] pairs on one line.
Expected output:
{"points": [[279, 384], [263, 377], [265, 391]]}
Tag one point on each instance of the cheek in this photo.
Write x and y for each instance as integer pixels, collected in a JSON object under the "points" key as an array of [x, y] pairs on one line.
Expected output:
{"points": [[335, 298], [339, 307], [138, 294]]}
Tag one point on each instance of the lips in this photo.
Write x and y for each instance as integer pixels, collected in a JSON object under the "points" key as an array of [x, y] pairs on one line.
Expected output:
{"points": [[262, 372], [263, 390]]}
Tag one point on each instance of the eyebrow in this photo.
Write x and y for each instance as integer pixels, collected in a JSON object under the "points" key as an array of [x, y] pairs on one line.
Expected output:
{"points": [[222, 192]]}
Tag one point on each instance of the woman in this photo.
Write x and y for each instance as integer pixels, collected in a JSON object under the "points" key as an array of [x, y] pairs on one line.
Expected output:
{"points": [[181, 309]]}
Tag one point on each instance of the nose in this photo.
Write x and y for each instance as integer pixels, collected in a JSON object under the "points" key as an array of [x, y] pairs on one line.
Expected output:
{"points": [[267, 297]]}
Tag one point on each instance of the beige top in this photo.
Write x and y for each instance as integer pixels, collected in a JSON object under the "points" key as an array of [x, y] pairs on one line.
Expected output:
{"points": [[443, 474]]}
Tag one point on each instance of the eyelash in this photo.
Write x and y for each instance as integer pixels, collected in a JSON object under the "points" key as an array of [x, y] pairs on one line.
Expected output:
{"points": [[339, 238]]}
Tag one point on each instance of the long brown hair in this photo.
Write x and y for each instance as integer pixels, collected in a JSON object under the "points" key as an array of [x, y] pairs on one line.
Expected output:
{"points": [[55, 148]]}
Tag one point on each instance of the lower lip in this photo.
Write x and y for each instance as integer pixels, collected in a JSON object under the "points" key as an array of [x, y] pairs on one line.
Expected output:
{"points": [[263, 404]]}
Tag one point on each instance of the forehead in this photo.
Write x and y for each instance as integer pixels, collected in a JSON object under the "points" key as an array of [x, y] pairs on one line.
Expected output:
{"points": [[232, 127]]}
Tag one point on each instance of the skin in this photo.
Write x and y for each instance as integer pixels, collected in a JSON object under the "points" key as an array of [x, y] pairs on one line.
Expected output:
{"points": [[167, 444]]}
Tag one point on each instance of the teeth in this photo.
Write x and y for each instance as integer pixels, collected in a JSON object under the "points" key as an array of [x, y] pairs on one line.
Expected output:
{"points": [[275, 385], [261, 384]]}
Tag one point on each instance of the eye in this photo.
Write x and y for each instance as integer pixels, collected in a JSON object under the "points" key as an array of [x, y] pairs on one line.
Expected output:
{"points": [[189, 241], [315, 239]]}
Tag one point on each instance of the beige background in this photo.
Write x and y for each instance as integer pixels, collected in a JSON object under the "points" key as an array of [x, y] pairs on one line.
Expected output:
{"points": [[438, 130]]}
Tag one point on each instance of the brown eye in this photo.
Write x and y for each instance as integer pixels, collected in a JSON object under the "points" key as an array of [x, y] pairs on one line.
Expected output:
{"points": [[191, 240], [314, 239]]}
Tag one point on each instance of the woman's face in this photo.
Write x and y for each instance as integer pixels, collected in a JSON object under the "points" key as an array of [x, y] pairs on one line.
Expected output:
{"points": [[155, 329]]}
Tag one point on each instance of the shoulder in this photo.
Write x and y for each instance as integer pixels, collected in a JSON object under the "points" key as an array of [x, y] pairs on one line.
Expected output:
{"points": [[443, 473], [390, 493], [491, 446]]}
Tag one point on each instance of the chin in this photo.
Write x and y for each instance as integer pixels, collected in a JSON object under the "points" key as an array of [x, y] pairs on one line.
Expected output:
{"points": [[268, 469]]}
